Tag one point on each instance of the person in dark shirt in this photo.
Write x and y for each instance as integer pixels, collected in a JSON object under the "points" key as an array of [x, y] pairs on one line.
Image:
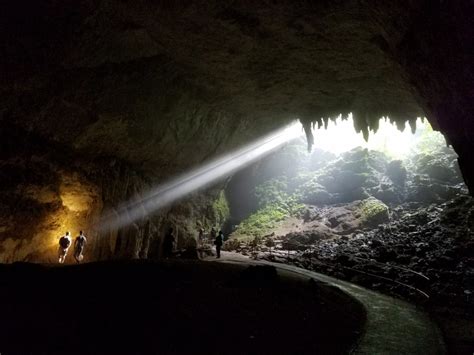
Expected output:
{"points": [[79, 245], [218, 242]]}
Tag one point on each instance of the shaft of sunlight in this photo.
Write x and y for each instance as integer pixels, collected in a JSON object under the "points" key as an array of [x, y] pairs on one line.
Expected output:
{"points": [[179, 187]]}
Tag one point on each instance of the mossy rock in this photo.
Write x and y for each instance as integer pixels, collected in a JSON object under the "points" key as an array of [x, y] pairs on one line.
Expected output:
{"points": [[373, 212]]}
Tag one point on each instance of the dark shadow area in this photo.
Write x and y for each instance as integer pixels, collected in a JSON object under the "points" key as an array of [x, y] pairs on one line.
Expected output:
{"points": [[171, 307]]}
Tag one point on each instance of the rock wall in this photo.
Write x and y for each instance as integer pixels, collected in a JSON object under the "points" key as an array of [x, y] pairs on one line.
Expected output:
{"points": [[47, 189], [437, 53]]}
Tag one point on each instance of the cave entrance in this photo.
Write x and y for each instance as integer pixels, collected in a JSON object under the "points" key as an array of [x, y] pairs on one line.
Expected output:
{"points": [[394, 166], [391, 213]]}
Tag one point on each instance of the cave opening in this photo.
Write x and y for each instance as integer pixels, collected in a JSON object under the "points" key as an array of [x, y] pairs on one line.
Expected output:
{"points": [[391, 213], [130, 119], [394, 165]]}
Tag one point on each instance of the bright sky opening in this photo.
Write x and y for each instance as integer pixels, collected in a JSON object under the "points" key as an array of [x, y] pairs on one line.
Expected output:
{"points": [[340, 137]]}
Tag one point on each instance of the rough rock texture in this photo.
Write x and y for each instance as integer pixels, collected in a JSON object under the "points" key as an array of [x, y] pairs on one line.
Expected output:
{"points": [[425, 225], [434, 240], [47, 189], [437, 55], [158, 87]]}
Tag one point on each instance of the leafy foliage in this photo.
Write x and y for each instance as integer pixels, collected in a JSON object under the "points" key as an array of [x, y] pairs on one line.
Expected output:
{"points": [[272, 191], [263, 220], [220, 208]]}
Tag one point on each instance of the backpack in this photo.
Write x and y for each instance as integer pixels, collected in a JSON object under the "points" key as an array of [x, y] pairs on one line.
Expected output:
{"points": [[64, 242]]}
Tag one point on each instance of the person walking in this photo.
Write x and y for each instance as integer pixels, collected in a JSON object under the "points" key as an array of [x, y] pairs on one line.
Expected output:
{"points": [[218, 242], [79, 245], [64, 243]]}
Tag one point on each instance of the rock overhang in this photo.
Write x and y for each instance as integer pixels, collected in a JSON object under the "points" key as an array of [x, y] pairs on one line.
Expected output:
{"points": [[150, 75]]}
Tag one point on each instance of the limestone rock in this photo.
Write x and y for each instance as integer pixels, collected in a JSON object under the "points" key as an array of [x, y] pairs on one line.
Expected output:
{"points": [[397, 172]]}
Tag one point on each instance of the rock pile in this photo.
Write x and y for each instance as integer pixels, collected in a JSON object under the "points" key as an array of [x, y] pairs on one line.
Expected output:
{"points": [[436, 241], [401, 227]]}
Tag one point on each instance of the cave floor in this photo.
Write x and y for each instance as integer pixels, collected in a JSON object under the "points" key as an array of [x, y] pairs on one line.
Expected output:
{"points": [[172, 306], [393, 326]]}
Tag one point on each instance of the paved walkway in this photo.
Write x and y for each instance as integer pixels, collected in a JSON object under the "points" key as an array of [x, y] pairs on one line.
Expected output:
{"points": [[393, 326]]}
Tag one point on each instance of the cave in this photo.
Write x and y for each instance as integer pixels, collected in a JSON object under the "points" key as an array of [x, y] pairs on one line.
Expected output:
{"points": [[330, 141]]}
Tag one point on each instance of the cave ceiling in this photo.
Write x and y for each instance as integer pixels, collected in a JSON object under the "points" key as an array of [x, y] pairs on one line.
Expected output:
{"points": [[165, 85]]}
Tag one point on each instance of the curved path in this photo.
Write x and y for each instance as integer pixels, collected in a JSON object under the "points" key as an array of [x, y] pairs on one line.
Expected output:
{"points": [[393, 326]]}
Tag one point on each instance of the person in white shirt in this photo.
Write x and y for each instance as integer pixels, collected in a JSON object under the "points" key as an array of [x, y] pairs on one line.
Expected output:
{"points": [[64, 243]]}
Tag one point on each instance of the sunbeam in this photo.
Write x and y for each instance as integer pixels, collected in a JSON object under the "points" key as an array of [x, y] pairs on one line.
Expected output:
{"points": [[179, 187]]}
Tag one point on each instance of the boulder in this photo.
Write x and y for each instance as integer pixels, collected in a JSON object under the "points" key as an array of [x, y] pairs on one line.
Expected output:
{"points": [[373, 212], [439, 171], [349, 196], [397, 172], [387, 195], [315, 194], [422, 193], [342, 181]]}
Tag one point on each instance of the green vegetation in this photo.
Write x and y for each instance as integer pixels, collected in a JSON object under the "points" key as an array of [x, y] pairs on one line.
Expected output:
{"points": [[429, 141], [220, 208], [374, 211], [272, 191], [431, 157], [263, 220], [284, 185], [268, 218]]}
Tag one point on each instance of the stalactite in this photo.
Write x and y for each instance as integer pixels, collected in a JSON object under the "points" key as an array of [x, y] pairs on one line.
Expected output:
{"points": [[309, 134], [365, 133], [412, 123], [375, 125], [401, 124]]}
